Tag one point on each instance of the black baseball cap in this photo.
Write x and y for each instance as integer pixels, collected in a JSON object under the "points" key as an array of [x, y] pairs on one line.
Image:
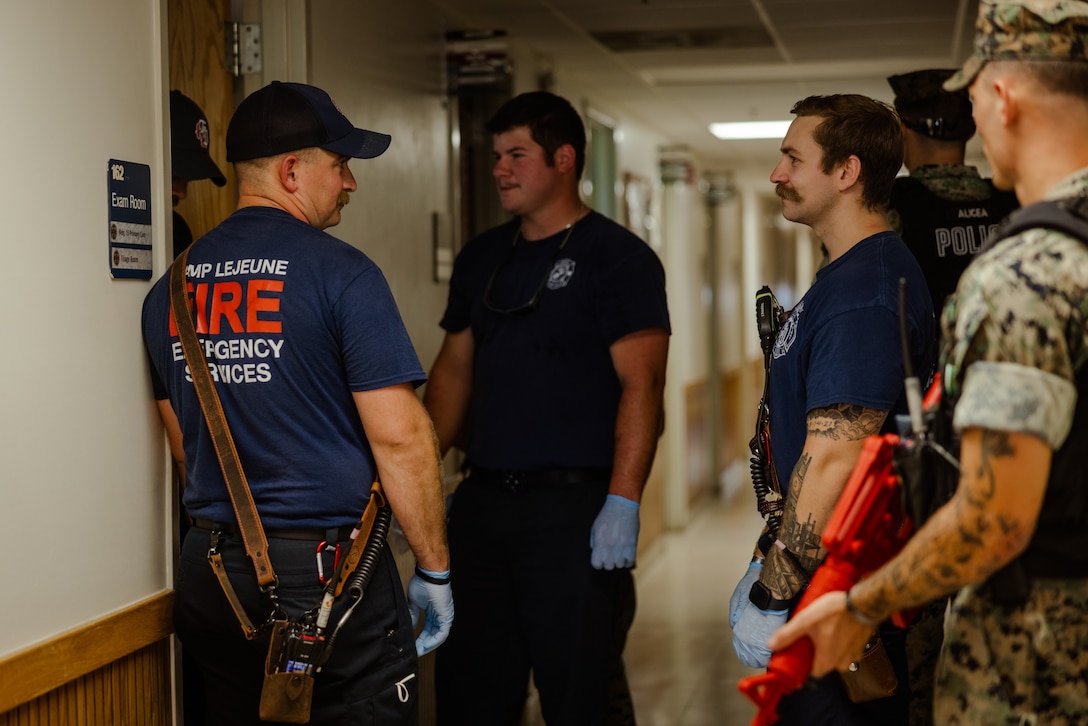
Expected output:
{"points": [[189, 140], [926, 108], [284, 117]]}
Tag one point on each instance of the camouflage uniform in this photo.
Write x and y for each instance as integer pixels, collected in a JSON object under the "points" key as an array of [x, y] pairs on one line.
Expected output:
{"points": [[925, 108], [1026, 30], [958, 183], [1018, 327], [1026, 665]]}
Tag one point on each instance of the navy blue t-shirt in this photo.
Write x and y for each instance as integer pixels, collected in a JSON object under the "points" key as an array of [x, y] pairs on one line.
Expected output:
{"points": [[292, 321], [544, 391], [841, 343]]}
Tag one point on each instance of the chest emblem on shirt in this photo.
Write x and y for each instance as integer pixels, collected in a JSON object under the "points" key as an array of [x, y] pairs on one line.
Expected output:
{"points": [[788, 333], [561, 273]]}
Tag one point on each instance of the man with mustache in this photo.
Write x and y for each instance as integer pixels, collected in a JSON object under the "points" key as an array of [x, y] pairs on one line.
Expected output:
{"points": [[836, 373], [1011, 542], [317, 379]]}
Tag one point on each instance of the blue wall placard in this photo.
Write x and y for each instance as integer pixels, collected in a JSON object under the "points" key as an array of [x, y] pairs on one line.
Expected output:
{"points": [[129, 233]]}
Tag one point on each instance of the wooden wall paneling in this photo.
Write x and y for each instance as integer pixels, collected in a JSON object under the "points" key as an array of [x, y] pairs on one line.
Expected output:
{"points": [[133, 691], [116, 671], [198, 68], [755, 366], [734, 405]]}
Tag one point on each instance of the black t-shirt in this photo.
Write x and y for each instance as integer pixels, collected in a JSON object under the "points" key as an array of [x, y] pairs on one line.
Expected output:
{"points": [[545, 392]]}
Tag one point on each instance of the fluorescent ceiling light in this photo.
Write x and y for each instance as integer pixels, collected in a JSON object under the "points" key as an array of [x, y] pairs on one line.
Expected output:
{"points": [[751, 129]]}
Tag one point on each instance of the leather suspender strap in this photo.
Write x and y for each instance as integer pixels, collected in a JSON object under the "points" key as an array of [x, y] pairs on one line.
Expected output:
{"points": [[351, 559], [249, 522], [220, 571]]}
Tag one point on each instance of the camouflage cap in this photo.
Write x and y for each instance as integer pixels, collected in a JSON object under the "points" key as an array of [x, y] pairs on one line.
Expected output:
{"points": [[1025, 30], [926, 108]]}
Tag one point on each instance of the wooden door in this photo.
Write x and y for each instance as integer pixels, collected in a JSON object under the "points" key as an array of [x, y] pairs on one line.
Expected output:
{"points": [[198, 69]]}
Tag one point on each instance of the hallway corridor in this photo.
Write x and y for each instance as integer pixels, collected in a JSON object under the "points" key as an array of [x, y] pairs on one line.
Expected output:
{"points": [[679, 657]]}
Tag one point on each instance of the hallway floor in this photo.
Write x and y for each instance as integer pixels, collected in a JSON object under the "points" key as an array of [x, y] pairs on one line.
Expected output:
{"points": [[680, 661], [679, 657]]}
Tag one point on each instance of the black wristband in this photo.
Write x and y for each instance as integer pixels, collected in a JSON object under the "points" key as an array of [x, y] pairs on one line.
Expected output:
{"points": [[431, 578], [760, 596]]}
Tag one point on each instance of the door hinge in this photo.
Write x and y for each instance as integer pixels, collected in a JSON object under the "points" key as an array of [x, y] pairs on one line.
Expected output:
{"points": [[243, 48]]}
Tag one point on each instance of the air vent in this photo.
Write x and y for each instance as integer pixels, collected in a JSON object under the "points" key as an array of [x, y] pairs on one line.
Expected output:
{"points": [[681, 39]]}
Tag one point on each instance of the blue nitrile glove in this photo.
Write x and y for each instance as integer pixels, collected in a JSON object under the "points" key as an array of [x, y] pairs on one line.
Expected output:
{"points": [[753, 628], [743, 589], [429, 594], [614, 536]]}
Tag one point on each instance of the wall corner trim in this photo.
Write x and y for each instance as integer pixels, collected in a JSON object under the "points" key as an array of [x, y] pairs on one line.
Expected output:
{"points": [[42, 667]]}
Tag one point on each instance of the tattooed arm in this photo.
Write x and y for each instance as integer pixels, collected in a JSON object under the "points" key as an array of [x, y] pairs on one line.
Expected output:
{"points": [[832, 445], [988, 522]]}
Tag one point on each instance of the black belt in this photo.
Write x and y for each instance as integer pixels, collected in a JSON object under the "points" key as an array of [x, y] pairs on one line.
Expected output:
{"points": [[553, 478], [312, 534]]}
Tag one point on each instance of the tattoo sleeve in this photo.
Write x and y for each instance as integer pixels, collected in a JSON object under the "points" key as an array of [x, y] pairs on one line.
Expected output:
{"points": [[787, 572], [961, 544], [845, 422]]}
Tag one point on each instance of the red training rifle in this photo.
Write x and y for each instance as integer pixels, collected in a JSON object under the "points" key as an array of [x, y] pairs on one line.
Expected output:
{"points": [[867, 528]]}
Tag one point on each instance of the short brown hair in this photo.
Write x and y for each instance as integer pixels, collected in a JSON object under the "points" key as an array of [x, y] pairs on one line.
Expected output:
{"points": [[854, 125], [1066, 78], [551, 120]]}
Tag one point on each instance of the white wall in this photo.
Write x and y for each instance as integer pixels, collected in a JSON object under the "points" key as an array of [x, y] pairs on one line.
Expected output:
{"points": [[82, 456], [381, 63], [684, 248]]}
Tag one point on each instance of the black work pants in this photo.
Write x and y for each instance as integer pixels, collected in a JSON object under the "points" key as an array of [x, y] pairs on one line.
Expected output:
{"points": [[823, 701], [527, 598], [372, 675]]}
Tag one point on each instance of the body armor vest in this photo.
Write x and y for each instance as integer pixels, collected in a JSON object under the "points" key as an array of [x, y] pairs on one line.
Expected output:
{"points": [[944, 234], [1058, 547]]}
